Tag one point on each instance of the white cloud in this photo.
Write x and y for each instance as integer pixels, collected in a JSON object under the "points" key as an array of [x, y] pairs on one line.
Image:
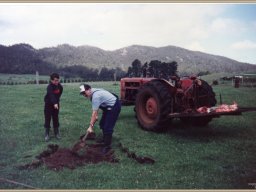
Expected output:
{"points": [[195, 46], [227, 26], [246, 44], [109, 26]]}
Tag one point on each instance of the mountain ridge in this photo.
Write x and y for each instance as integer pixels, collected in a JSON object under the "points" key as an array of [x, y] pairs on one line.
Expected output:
{"points": [[65, 55]]}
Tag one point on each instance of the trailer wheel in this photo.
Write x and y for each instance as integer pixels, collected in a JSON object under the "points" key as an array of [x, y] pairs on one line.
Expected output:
{"points": [[153, 104]]}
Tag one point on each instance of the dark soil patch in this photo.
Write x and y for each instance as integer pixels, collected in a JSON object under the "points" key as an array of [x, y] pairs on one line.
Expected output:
{"points": [[56, 158], [139, 159], [27, 156], [67, 158]]}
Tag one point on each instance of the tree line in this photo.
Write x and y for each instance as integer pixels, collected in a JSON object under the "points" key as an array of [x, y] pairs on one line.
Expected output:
{"points": [[154, 68], [89, 74]]}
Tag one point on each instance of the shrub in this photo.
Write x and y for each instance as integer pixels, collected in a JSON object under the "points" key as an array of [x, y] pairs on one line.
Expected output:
{"points": [[215, 82]]}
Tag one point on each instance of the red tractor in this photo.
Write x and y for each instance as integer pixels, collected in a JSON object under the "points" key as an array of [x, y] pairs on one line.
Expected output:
{"points": [[158, 101]]}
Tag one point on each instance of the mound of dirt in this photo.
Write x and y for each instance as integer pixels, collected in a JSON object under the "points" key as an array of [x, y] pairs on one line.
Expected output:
{"points": [[56, 158], [67, 158]]}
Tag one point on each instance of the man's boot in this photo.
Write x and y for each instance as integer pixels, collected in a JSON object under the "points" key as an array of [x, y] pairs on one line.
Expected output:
{"points": [[100, 139], [107, 143]]}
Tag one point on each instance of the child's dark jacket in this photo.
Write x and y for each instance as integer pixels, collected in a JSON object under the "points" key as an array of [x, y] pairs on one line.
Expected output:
{"points": [[53, 94]]}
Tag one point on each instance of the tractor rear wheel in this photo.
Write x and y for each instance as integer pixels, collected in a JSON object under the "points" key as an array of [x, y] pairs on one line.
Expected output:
{"points": [[207, 98], [207, 95], [153, 105]]}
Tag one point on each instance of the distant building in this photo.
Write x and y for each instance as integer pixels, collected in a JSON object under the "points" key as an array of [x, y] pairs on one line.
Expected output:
{"points": [[247, 80]]}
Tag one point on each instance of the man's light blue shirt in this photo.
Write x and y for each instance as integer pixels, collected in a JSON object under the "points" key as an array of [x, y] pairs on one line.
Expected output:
{"points": [[102, 98]]}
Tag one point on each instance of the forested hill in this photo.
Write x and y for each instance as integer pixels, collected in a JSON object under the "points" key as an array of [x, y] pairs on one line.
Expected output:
{"points": [[23, 58]]}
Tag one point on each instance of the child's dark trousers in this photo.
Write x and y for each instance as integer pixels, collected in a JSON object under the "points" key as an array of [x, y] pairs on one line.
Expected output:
{"points": [[51, 113]]}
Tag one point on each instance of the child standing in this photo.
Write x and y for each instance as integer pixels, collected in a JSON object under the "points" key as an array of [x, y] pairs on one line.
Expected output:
{"points": [[52, 107]]}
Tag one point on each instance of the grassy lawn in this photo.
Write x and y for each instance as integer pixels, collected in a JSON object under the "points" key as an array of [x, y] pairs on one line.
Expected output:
{"points": [[219, 156]]}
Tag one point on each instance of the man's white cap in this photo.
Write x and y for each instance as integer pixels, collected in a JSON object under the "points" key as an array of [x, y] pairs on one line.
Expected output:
{"points": [[82, 89]]}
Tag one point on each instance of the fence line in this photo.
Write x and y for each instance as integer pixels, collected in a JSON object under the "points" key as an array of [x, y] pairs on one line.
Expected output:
{"points": [[48, 81]]}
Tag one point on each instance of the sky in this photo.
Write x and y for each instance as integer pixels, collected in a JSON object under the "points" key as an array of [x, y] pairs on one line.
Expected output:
{"points": [[226, 29]]}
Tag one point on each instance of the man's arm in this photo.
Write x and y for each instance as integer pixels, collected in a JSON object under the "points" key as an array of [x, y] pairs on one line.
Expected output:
{"points": [[94, 118]]}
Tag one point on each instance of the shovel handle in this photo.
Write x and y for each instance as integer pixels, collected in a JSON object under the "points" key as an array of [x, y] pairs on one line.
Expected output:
{"points": [[86, 135]]}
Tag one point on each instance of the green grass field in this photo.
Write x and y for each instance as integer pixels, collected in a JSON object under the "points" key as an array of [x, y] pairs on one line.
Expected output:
{"points": [[219, 156]]}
